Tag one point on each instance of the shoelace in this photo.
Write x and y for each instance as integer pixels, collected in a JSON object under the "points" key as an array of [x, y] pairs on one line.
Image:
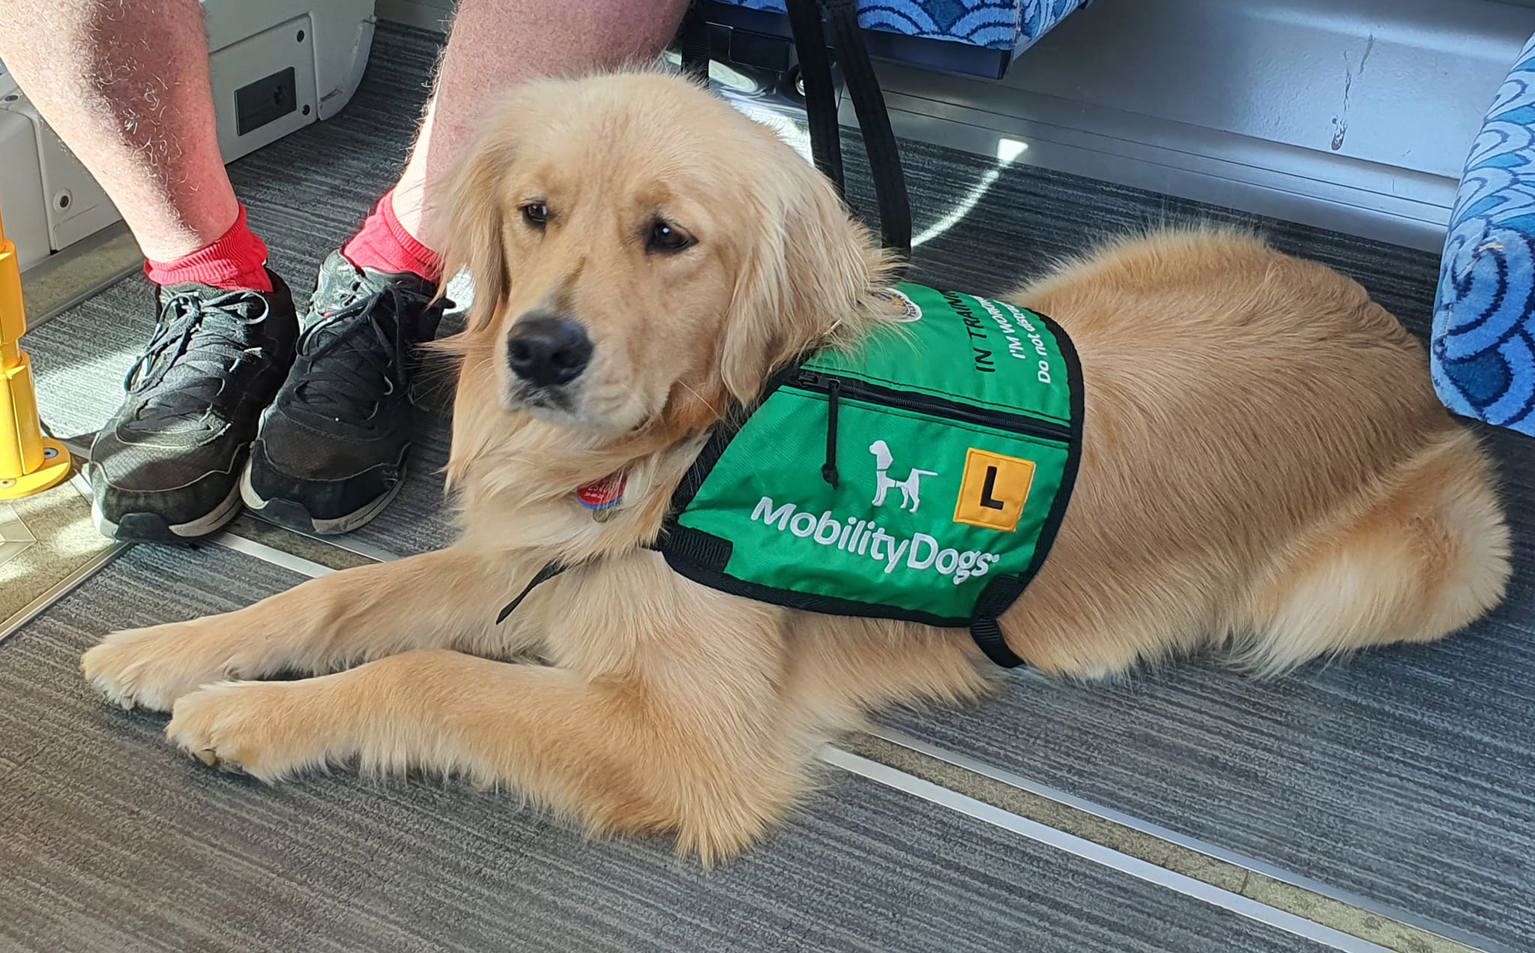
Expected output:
{"points": [[188, 360], [367, 360]]}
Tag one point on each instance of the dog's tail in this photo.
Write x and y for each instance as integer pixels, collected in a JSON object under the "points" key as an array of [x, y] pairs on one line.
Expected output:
{"points": [[924, 473]]}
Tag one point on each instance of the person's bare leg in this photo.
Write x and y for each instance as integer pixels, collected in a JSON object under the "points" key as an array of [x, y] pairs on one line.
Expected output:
{"points": [[379, 287], [499, 43], [125, 84]]}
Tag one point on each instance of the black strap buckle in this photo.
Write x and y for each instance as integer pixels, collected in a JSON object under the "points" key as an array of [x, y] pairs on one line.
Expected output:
{"points": [[987, 634]]}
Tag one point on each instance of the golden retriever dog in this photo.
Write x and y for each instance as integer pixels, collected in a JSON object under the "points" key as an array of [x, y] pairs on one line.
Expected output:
{"points": [[1266, 474]]}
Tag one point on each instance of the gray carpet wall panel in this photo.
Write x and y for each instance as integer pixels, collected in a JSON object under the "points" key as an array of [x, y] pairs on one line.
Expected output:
{"points": [[111, 840]]}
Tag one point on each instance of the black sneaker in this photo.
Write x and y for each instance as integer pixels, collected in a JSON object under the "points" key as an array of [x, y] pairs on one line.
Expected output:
{"points": [[167, 465], [331, 451]]}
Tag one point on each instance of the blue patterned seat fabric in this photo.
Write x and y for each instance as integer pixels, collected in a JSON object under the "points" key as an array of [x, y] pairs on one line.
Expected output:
{"points": [[1483, 348], [1011, 25]]}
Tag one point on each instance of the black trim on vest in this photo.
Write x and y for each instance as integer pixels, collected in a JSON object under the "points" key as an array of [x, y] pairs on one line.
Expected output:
{"points": [[1003, 591], [719, 440], [701, 557]]}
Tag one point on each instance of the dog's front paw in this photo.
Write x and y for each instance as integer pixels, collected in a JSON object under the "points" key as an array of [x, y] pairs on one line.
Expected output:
{"points": [[259, 728], [151, 668]]}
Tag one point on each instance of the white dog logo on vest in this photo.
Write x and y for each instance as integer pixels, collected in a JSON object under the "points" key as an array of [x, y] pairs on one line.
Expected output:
{"points": [[911, 487]]}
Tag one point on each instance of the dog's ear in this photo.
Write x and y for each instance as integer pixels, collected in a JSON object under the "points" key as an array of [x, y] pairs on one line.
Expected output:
{"points": [[809, 272], [475, 222]]}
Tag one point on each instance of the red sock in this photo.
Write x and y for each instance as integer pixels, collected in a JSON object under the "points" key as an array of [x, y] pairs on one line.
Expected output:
{"points": [[236, 262], [383, 244]]}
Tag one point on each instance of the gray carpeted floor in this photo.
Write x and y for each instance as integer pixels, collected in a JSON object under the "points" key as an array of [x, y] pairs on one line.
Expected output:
{"points": [[1405, 775], [111, 841]]}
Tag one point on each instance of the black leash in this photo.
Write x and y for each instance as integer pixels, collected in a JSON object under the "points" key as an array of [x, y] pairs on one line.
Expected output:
{"points": [[808, 22], [873, 121], [545, 574], [694, 43], [820, 92]]}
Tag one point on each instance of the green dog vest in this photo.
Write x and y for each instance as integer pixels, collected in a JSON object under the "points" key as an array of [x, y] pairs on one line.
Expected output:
{"points": [[922, 476]]}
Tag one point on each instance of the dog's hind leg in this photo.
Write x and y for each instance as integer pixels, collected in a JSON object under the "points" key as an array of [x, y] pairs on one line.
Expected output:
{"points": [[1428, 557], [445, 598]]}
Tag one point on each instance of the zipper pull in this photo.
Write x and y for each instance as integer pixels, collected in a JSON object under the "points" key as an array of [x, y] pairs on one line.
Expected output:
{"points": [[829, 468]]}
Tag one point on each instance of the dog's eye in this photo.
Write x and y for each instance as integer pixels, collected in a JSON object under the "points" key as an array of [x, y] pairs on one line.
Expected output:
{"points": [[665, 237], [536, 214]]}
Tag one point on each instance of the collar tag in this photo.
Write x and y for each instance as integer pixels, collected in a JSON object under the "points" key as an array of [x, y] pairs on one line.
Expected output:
{"points": [[602, 496]]}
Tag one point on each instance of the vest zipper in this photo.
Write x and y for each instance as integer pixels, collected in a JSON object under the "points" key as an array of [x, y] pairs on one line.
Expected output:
{"points": [[829, 468], [836, 387]]}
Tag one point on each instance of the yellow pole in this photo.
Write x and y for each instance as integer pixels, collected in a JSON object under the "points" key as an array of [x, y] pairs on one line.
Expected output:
{"points": [[29, 461]]}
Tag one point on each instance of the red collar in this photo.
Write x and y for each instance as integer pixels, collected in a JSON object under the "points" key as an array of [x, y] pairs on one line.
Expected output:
{"points": [[604, 494]]}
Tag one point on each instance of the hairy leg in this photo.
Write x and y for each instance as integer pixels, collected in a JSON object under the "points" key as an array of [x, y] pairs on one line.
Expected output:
{"points": [[125, 85], [496, 44]]}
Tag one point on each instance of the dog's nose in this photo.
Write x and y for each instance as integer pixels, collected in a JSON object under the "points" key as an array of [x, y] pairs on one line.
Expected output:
{"points": [[548, 349]]}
